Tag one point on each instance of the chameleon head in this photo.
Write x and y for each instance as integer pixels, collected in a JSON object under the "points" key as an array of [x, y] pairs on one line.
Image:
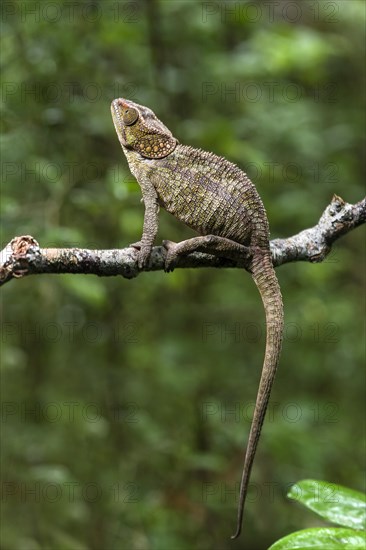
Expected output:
{"points": [[140, 130]]}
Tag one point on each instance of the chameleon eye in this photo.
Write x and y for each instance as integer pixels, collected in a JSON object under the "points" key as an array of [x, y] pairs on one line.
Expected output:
{"points": [[130, 116]]}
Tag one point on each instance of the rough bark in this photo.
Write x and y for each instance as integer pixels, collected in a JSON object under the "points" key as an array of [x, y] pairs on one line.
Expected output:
{"points": [[23, 255]]}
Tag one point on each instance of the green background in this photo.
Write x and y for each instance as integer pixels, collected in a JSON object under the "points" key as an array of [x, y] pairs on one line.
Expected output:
{"points": [[126, 405]]}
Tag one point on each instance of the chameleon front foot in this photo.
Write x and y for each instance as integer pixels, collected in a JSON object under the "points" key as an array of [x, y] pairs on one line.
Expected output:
{"points": [[144, 252]]}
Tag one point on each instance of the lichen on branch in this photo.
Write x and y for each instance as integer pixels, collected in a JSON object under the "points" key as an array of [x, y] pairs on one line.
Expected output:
{"points": [[23, 255]]}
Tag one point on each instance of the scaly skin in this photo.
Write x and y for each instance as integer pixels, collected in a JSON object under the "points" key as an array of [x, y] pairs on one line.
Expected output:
{"points": [[216, 199]]}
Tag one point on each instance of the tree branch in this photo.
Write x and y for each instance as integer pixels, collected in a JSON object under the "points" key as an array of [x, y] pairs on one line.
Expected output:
{"points": [[23, 255]]}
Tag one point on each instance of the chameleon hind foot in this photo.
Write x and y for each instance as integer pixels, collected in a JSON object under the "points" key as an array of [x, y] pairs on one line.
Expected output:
{"points": [[209, 244]]}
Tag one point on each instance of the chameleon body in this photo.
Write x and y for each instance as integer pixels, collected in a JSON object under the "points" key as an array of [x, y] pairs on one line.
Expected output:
{"points": [[216, 199]]}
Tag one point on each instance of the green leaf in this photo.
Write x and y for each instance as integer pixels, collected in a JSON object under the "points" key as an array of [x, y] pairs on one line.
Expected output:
{"points": [[324, 538], [333, 502]]}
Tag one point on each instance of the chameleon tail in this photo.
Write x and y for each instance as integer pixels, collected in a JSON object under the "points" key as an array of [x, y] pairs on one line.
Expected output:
{"points": [[265, 278]]}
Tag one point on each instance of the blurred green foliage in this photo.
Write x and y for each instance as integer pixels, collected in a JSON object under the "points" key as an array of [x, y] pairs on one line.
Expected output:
{"points": [[126, 405]]}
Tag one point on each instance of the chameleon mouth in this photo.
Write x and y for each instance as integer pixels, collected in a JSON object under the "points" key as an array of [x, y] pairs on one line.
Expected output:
{"points": [[116, 107], [116, 110]]}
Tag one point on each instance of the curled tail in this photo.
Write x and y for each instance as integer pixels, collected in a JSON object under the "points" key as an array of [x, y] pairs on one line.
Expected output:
{"points": [[265, 278]]}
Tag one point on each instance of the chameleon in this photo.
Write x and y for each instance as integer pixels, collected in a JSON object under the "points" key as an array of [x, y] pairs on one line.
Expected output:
{"points": [[215, 198]]}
